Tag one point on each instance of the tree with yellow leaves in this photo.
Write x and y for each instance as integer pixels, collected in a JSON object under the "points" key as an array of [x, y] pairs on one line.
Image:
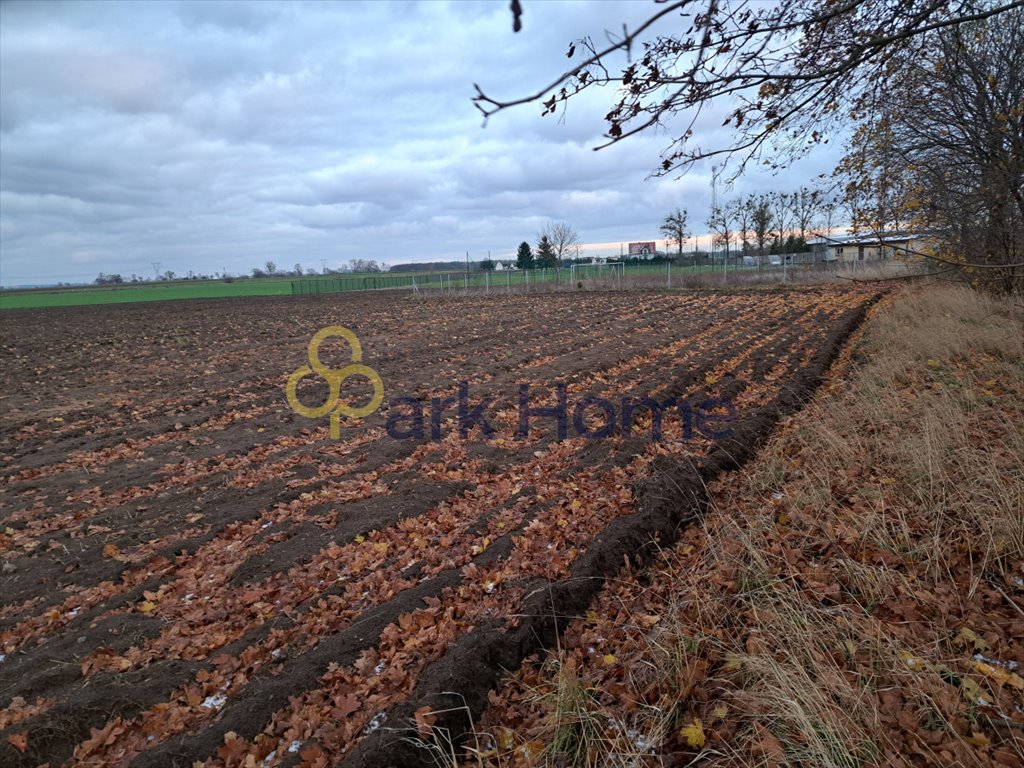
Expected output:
{"points": [[941, 150]]}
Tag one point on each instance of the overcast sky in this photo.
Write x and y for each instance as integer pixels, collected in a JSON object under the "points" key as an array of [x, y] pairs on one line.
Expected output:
{"points": [[215, 135]]}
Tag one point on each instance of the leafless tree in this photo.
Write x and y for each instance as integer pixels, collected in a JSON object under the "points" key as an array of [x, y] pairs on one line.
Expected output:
{"points": [[806, 205], [829, 206], [720, 222], [674, 229], [782, 214], [783, 73], [761, 221], [741, 214], [563, 238]]}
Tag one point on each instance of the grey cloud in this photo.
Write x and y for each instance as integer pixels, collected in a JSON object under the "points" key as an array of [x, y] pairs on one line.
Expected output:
{"points": [[218, 135]]}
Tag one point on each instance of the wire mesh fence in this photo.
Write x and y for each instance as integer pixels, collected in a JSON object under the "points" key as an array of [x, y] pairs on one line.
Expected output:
{"points": [[736, 271]]}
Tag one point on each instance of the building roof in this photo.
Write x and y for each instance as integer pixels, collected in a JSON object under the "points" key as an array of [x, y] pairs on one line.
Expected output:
{"points": [[864, 238]]}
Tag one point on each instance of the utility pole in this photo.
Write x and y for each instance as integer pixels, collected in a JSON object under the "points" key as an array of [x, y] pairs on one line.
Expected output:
{"points": [[323, 266], [156, 268], [714, 207]]}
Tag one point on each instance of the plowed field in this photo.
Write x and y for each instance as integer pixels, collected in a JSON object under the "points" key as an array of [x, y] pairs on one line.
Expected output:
{"points": [[194, 572]]}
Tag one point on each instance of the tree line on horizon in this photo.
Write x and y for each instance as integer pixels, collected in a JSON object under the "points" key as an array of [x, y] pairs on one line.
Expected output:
{"points": [[760, 224]]}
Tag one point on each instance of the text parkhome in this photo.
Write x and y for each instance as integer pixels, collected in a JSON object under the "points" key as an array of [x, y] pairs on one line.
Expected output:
{"points": [[593, 418]]}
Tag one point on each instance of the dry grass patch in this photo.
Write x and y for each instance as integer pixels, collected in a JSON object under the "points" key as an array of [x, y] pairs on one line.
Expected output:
{"points": [[853, 599]]}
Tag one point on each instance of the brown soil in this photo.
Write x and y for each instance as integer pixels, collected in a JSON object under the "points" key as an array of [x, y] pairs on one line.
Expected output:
{"points": [[174, 534]]}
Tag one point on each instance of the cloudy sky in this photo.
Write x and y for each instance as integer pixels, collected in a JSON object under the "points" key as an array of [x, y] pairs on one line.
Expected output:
{"points": [[212, 136]]}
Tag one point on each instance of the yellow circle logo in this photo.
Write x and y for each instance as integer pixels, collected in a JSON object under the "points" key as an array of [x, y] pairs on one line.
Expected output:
{"points": [[335, 379]]}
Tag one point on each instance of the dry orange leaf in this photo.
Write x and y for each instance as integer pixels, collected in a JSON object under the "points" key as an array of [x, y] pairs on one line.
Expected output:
{"points": [[999, 675], [425, 719], [19, 741]]}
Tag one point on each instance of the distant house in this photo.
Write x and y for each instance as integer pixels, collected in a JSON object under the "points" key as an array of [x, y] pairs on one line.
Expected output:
{"points": [[865, 246]]}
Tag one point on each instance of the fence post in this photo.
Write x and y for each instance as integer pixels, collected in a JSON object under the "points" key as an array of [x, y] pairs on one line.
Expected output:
{"points": [[670, 275]]}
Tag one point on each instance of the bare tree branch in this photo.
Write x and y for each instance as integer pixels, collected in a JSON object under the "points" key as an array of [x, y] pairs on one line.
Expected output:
{"points": [[786, 69]]}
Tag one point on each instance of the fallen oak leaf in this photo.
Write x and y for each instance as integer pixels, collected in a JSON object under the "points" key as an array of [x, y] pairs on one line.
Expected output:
{"points": [[345, 706], [114, 553], [425, 719], [313, 756], [19, 741], [234, 748]]}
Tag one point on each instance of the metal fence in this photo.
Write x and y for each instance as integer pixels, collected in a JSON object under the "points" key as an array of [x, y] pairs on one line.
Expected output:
{"points": [[715, 271]]}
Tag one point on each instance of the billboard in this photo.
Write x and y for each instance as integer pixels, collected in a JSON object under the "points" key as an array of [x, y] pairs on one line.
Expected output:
{"points": [[642, 249]]}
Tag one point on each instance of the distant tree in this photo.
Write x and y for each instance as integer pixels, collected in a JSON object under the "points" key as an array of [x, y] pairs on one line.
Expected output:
{"points": [[487, 265], [806, 205], [271, 268], [720, 223], [109, 279], [761, 221], [363, 265], [741, 214], [524, 256], [169, 275], [546, 256], [429, 266], [674, 229], [298, 270], [563, 239], [829, 206], [783, 214], [257, 272]]}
